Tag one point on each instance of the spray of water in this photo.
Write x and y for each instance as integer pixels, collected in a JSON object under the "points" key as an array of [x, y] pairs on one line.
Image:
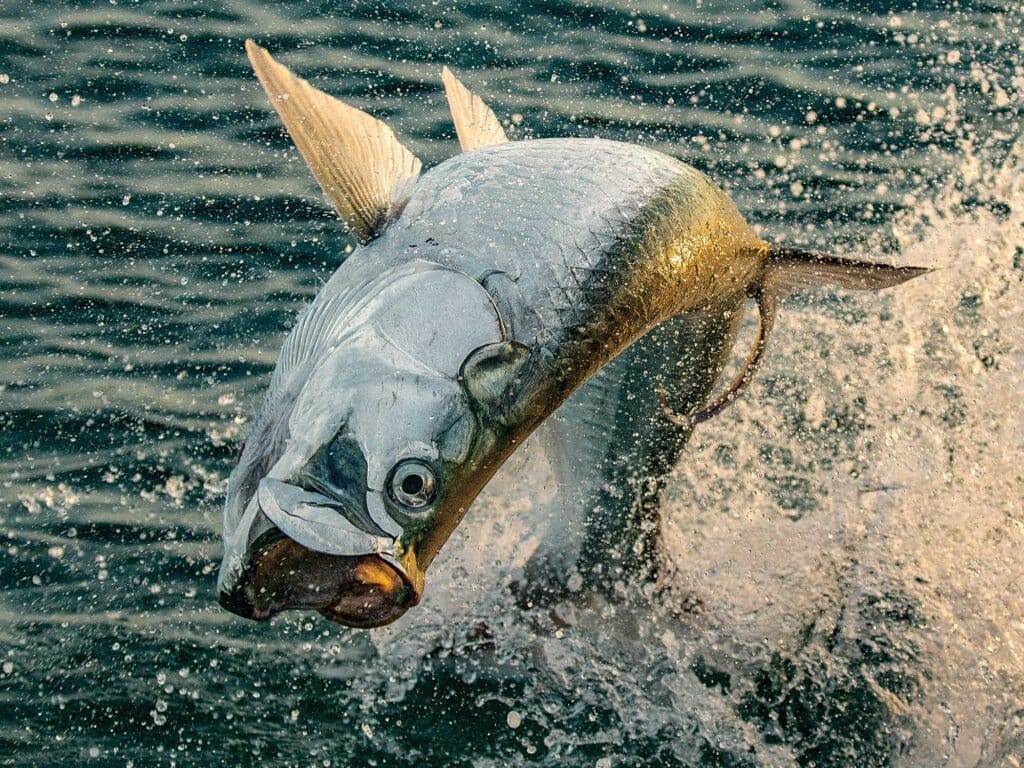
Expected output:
{"points": [[842, 547]]}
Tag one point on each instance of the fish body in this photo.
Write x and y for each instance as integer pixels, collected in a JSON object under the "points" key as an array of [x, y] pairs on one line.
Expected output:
{"points": [[487, 292], [578, 242]]}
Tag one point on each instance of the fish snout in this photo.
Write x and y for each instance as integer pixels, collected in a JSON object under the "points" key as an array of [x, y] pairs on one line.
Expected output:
{"points": [[353, 590]]}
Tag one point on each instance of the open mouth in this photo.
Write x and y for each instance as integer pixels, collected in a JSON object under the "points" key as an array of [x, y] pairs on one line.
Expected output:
{"points": [[355, 591]]}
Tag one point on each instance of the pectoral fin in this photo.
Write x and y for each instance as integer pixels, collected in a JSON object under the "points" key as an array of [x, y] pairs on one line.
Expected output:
{"points": [[356, 158], [490, 373], [474, 121], [788, 270]]}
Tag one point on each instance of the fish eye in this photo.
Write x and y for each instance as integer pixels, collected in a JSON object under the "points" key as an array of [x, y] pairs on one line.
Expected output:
{"points": [[413, 484]]}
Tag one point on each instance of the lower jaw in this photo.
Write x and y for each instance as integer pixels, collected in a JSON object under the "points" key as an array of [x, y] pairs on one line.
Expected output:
{"points": [[356, 591]]}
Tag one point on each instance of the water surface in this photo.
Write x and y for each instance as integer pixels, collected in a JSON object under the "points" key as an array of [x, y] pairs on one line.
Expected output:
{"points": [[845, 542]]}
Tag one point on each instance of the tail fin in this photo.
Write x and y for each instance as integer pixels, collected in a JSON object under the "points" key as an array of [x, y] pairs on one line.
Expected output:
{"points": [[789, 270]]}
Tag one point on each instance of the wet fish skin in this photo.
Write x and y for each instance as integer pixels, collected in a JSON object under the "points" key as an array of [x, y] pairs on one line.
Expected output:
{"points": [[486, 292], [602, 241], [577, 230]]}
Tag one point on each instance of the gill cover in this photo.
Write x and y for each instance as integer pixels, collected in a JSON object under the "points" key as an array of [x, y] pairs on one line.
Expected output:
{"points": [[388, 387]]}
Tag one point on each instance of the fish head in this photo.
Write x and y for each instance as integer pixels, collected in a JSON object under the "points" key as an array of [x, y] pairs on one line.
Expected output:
{"points": [[386, 413], [368, 454]]}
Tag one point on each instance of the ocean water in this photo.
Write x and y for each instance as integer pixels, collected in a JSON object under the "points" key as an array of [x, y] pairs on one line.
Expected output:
{"points": [[846, 585]]}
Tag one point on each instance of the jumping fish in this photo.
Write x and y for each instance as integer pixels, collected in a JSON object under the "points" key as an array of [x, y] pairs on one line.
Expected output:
{"points": [[598, 279]]}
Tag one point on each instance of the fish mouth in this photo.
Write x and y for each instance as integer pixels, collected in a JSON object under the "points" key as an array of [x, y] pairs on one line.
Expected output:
{"points": [[352, 590]]}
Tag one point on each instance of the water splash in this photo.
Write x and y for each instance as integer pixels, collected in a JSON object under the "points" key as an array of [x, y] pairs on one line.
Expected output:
{"points": [[845, 580], [844, 587]]}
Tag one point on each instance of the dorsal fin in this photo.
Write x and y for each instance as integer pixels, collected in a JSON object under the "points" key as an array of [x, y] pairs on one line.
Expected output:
{"points": [[474, 121], [788, 270], [360, 164], [791, 269], [767, 306]]}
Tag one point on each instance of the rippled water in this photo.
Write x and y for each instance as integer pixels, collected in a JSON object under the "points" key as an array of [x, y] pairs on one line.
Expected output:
{"points": [[847, 586]]}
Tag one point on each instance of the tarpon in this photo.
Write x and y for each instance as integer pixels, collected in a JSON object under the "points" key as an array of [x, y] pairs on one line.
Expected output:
{"points": [[596, 279]]}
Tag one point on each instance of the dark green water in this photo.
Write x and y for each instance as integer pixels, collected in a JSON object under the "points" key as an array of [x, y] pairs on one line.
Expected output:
{"points": [[160, 234]]}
